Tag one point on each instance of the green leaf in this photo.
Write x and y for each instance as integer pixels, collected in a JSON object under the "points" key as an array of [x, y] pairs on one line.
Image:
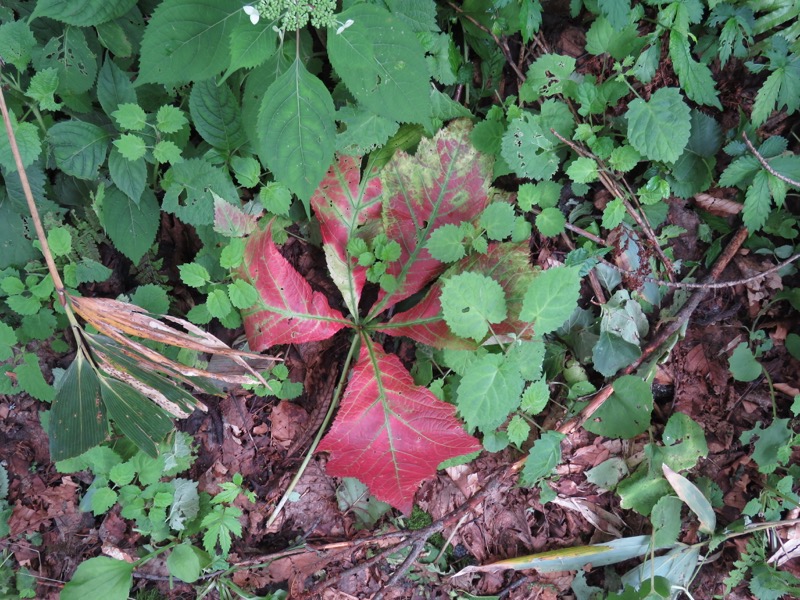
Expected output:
{"points": [[666, 520], [770, 444], [185, 502], [518, 430], [364, 130], [28, 143], [103, 498], [551, 298], [187, 40], [296, 130], [8, 339], [218, 304], [194, 274], [170, 119], [612, 352], [535, 397], [122, 473], [550, 222], [43, 87], [471, 302], [247, 170], [446, 243], [624, 158], [130, 116], [71, 56], [528, 150], [543, 458], [91, 271], [250, 46], [276, 198], [544, 194], [743, 365], [166, 151], [781, 88], [131, 226], [757, 202], [582, 170], [659, 129], [143, 422], [83, 13], [16, 43], [695, 77], [30, 379], [608, 473], [242, 294], [190, 191], [130, 176], [216, 115], [488, 392], [114, 87], [60, 241], [219, 524], [100, 577], [131, 147], [382, 64], [626, 413], [184, 563], [613, 214], [694, 499], [498, 220], [618, 12], [151, 297], [78, 147], [77, 417]]}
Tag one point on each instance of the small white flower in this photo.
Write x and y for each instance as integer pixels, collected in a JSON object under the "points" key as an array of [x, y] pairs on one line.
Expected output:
{"points": [[252, 12], [344, 26]]}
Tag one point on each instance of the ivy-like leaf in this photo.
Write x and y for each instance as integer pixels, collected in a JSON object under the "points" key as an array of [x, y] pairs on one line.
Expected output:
{"points": [[288, 311], [382, 64], [342, 202], [390, 433], [659, 129], [187, 40], [296, 130]]}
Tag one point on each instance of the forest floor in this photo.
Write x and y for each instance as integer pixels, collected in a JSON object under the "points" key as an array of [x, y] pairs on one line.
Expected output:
{"points": [[315, 549]]}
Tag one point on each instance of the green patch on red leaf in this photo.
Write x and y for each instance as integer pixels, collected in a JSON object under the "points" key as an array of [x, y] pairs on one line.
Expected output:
{"points": [[390, 433]]}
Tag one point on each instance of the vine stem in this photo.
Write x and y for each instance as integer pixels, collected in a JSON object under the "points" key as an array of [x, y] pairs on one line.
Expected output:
{"points": [[337, 394]]}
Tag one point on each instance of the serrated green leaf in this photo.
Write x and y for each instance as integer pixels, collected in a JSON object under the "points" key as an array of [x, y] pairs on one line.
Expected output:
{"points": [[170, 119], [247, 170], [250, 46], [185, 503], [550, 222], [130, 176], [216, 115], [17, 43], [77, 416], [471, 303], [544, 194], [166, 151], [242, 294], [659, 129], [535, 397], [498, 220], [608, 473], [543, 458], [122, 474], [382, 64], [71, 56], [191, 189], [100, 577], [218, 304], [78, 147], [446, 243], [131, 226], [695, 77], [60, 241], [8, 339], [103, 498], [582, 170], [130, 116], [743, 365], [28, 142], [518, 430], [131, 147], [30, 379], [151, 297], [666, 520], [114, 87], [194, 274], [296, 130], [488, 392], [757, 202], [528, 150], [83, 13], [187, 40], [91, 271], [219, 524], [551, 298], [42, 88], [276, 198], [626, 413], [618, 12], [624, 158], [364, 130]]}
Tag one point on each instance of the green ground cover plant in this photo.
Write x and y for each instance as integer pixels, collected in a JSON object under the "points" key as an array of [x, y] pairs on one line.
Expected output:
{"points": [[378, 132]]}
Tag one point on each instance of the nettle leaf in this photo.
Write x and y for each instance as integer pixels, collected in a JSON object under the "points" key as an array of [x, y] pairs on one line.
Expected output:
{"points": [[390, 433], [342, 202], [659, 129], [488, 392], [382, 63], [79, 147], [471, 303], [130, 176], [16, 43], [187, 40], [71, 56], [507, 264], [695, 77], [83, 13], [446, 181], [296, 133], [288, 311], [28, 143], [216, 116], [528, 150]]}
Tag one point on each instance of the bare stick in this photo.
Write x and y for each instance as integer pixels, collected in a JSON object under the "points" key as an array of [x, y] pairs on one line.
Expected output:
{"points": [[766, 165]]}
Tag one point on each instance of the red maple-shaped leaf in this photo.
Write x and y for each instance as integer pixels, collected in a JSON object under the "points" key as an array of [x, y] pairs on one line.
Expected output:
{"points": [[506, 263], [342, 202], [390, 433], [446, 181], [288, 311]]}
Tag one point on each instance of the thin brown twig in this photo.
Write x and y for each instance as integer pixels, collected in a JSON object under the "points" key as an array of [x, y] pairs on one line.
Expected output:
{"points": [[766, 165], [503, 47], [416, 549]]}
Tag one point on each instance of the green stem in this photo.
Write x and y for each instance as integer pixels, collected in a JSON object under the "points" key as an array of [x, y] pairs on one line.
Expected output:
{"points": [[337, 394]]}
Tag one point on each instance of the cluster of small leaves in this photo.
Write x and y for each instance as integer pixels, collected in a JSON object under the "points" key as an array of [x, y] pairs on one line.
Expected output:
{"points": [[278, 384], [765, 580], [377, 255]]}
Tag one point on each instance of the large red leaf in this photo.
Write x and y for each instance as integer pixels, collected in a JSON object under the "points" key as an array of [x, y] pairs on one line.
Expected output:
{"points": [[446, 181], [288, 310], [390, 433], [342, 202], [506, 263]]}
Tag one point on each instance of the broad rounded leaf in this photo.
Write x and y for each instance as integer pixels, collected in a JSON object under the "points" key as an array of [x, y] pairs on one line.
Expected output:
{"points": [[626, 413], [471, 303], [659, 128], [187, 40], [551, 298], [82, 13], [288, 310], [390, 433], [488, 392], [382, 64], [296, 133], [184, 563], [100, 577]]}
